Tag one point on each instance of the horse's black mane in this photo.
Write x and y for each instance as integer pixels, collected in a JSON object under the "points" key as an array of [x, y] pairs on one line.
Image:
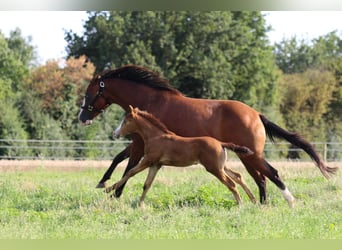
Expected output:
{"points": [[139, 75]]}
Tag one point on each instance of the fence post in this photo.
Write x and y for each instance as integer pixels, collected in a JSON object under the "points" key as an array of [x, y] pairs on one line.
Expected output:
{"points": [[325, 150]]}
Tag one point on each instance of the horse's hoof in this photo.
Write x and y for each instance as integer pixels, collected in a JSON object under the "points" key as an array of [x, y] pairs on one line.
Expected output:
{"points": [[118, 193], [101, 185]]}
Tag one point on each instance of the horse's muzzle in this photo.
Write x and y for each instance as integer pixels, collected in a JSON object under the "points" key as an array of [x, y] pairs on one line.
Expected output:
{"points": [[87, 122], [84, 118]]}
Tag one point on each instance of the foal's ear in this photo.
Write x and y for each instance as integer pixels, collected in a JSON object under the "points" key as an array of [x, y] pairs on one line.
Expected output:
{"points": [[131, 109]]}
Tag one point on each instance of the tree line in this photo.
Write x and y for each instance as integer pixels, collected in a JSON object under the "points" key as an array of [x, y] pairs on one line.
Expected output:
{"points": [[217, 54]]}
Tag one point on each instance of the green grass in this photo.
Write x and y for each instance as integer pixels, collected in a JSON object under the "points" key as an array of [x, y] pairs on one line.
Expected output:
{"points": [[185, 204]]}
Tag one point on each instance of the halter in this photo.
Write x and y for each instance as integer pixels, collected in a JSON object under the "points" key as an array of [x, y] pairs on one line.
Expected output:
{"points": [[99, 93]]}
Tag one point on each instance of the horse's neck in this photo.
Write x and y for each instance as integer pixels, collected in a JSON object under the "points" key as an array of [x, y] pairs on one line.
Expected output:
{"points": [[137, 96]]}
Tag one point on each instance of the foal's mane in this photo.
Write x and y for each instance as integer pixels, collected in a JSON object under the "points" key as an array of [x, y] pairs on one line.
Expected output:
{"points": [[152, 119], [140, 75]]}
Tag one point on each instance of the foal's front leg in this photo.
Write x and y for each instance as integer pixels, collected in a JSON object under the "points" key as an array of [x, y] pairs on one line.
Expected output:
{"points": [[143, 164], [152, 172]]}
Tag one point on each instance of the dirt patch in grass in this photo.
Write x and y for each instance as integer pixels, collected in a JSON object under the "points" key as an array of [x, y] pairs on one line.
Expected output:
{"points": [[53, 165], [72, 165]]}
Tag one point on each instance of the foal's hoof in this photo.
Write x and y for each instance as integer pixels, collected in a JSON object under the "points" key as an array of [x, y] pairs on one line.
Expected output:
{"points": [[109, 189], [100, 185]]}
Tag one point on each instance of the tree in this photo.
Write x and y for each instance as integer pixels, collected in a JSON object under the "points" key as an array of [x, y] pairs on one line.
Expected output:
{"points": [[22, 48], [13, 71], [58, 91], [305, 102], [215, 54], [323, 54], [327, 52], [293, 56]]}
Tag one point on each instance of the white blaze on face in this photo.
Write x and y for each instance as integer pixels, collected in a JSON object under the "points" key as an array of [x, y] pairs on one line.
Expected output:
{"points": [[79, 114], [117, 131], [87, 122]]}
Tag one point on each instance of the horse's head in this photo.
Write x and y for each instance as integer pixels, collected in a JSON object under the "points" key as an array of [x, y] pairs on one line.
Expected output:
{"points": [[95, 101], [127, 125]]}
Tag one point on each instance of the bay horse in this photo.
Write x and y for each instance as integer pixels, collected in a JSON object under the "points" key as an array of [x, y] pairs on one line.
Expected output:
{"points": [[163, 147], [225, 120]]}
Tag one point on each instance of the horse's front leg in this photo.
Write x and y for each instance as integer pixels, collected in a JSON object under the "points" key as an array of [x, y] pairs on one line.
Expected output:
{"points": [[143, 165], [117, 159], [136, 153]]}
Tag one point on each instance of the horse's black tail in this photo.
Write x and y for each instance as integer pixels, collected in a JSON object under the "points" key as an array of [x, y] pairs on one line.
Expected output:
{"points": [[273, 130]]}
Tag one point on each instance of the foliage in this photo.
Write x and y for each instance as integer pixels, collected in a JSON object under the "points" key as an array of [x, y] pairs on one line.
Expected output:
{"points": [[305, 100], [11, 127], [13, 70], [21, 48], [293, 56], [311, 86], [216, 54]]}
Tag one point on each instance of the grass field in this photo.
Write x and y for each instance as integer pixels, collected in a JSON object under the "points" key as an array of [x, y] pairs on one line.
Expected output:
{"points": [[57, 200]]}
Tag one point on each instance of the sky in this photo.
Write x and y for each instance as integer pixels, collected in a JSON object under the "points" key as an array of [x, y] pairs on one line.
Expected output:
{"points": [[47, 28]]}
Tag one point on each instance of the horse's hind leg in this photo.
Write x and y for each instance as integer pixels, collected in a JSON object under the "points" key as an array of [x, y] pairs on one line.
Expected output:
{"points": [[259, 178], [272, 174], [265, 169], [237, 177], [117, 159]]}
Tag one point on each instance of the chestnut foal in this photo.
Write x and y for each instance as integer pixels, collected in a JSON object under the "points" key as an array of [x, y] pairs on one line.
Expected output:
{"points": [[163, 147]]}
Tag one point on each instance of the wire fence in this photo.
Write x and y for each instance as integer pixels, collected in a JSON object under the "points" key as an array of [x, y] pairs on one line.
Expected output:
{"points": [[60, 149], [106, 150]]}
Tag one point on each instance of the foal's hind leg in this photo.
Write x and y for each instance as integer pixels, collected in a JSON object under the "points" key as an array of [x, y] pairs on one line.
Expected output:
{"points": [[237, 177], [226, 180]]}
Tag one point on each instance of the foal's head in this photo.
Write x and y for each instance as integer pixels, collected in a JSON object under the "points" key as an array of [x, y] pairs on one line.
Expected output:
{"points": [[128, 125]]}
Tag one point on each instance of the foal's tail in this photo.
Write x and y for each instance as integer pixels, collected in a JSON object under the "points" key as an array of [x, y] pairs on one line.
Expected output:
{"points": [[273, 130], [236, 148]]}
